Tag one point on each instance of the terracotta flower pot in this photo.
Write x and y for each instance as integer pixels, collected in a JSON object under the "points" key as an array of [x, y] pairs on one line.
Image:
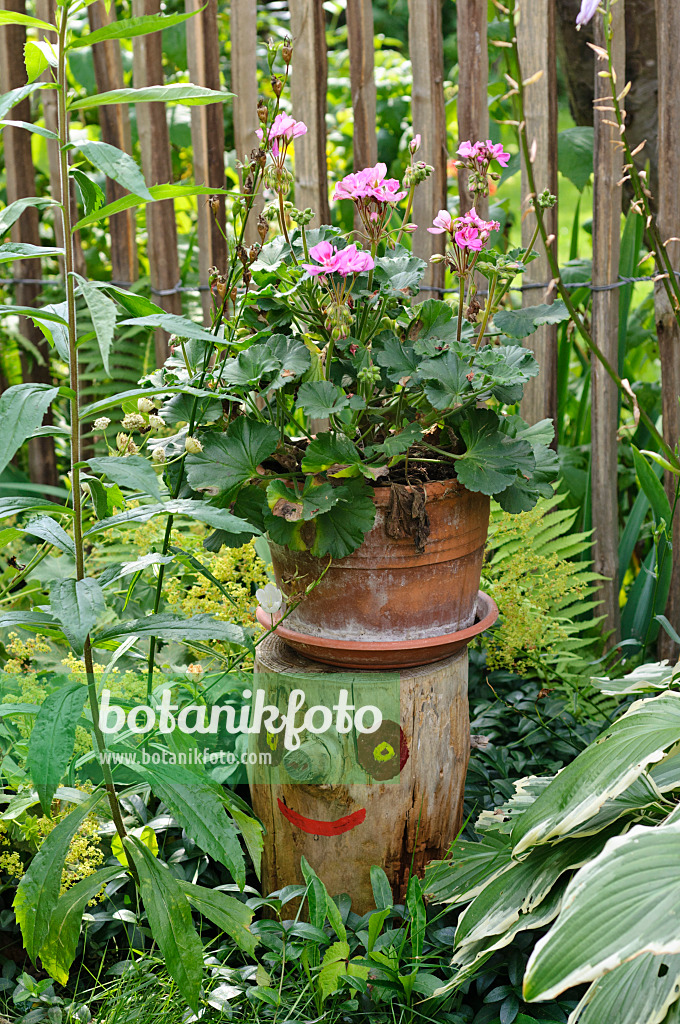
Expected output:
{"points": [[415, 576]]}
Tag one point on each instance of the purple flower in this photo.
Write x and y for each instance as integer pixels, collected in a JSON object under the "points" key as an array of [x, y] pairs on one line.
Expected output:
{"points": [[587, 12]]}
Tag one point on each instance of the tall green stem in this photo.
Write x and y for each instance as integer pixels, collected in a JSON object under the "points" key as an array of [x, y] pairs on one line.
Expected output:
{"points": [[76, 451]]}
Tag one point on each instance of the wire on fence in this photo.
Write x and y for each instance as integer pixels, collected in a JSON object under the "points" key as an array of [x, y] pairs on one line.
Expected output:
{"points": [[193, 289]]}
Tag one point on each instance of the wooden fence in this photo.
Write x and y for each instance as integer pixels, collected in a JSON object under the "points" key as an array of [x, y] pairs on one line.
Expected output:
{"points": [[536, 36]]}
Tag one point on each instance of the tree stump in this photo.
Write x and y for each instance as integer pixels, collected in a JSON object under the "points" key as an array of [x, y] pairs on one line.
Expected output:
{"points": [[411, 820]]}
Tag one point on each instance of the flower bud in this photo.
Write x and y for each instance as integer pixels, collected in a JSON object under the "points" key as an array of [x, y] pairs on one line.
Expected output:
{"points": [[287, 51], [192, 445], [262, 228], [145, 405], [101, 423], [277, 85], [158, 456], [155, 422], [262, 111], [414, 144], [125, 445], [195, 671]]}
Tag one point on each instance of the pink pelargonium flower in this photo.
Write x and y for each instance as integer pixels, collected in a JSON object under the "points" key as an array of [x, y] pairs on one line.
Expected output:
{"points": [[353, 261], [443, 222], [370, 183], [283, 127], [483, 152], [468, 237], [468, 150], [587, 12], [338, 261], [495, 152], [484, 227]]}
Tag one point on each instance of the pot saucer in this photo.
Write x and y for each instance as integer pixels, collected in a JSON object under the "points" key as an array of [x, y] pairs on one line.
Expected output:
{"points": [[390, 655]]}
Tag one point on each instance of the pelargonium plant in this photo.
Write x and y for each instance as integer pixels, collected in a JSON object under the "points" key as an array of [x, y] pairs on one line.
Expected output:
{"points": [[330, 378]]}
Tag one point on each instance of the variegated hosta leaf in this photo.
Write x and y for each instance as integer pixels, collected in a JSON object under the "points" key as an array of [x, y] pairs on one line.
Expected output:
{"points": [[625, 902], [642, 794], [472, 955], [522, 887], [637, 992], [658, 675], [666, 774], [602, 771], [503, 818], [467, 870]]}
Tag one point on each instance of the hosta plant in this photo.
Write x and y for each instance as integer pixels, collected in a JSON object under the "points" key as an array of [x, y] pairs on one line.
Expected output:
{"points": [[590, 857]]}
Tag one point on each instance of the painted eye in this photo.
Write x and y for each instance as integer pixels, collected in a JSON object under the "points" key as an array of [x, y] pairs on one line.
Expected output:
{"points": [[383, 754]]}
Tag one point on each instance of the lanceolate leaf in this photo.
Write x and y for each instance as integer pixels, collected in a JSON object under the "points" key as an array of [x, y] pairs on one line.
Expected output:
{"points": [[14, 18], [52, 738], [157, 192], [38, 891], [76, 604], [128, 28], [130, 471], [35, 129], [17, 506], [199, 810], [178, 325], [22, 408], [117, 165], [228, 913], [10, 215], [175, 627], [602, 771], [25, 251], [14, 96], [103, 313], [619, 906], [199, 510], [169, 915], [59, 950], [187, 95]]}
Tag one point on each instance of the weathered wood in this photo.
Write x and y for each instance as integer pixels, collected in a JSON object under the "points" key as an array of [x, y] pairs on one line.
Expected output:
{"points": [[417, 817], [207, 139], [243, 26], [473, 81], [429, 121], [608, 166], [668, 46], [362, 81], [114, 122], [536, 41], [154, 140], [308, 84], [20, 182]]}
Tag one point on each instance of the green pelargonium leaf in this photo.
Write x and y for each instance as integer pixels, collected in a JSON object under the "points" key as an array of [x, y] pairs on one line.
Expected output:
{"points": [[321, 399], [447, 381], [231, 459], [434, 328], [492, 460], [333, 454], [519, 323]]}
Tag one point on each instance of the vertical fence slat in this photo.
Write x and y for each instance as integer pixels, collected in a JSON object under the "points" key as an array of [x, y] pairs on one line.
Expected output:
{"points": [[473, 81], [154, 140], [308, 84], [20, 182], [243, 25], [207, 138], [429, 120], [115, 127], [608, 170], [668, 47], [536, 41], [362, 80]]}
